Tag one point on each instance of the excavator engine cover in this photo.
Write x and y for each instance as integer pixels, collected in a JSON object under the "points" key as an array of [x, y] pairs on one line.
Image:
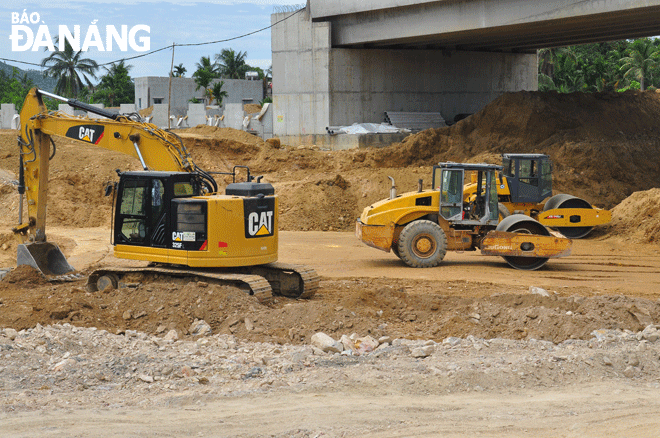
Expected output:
{"points": [[46, 257], [249, 189]]}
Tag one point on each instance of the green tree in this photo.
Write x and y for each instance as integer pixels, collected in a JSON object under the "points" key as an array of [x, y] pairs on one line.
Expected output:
{"points": [[232, 64], [642, 59], [218, 93], [179, 71], [14, 88], [116, 86], [205, 73], [70, 69]]}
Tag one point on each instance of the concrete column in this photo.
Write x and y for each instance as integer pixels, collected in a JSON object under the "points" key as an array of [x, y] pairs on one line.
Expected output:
{"points": [[196, 114], [7, 111], [159, 115], [234, 115]]}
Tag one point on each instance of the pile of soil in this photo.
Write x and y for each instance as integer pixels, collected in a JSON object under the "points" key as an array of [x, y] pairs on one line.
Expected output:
{"points": [[637, 217], [604, 147], [251, 108], [399, 308]]}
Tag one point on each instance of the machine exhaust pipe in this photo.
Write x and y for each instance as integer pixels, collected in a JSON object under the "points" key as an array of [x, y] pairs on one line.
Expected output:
{"points": [[392, 189]]}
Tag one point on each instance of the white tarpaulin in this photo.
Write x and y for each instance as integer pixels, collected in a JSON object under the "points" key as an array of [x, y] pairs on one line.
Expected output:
{"points": [[365, 128]]}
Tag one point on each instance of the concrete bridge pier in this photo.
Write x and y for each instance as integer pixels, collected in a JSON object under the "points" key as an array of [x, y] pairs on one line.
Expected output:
{"points": [[316, 85]]}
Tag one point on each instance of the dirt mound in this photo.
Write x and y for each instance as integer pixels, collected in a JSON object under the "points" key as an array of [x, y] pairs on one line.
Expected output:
{"points": [[637, 217], [25, 276], [604, 147], [223, 133], [251, 108], [377, 306]]}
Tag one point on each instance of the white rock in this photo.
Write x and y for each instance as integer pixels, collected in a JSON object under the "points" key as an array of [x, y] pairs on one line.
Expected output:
{"points": [[326, 343], [347, 343], [385, 340], [11, 333], [422, 351], [200, 328], [248, 325], [66, 363], [629, 372], [650, 333], [365, 344], [452, 341], [171, 336], [146, 378], [538, 291]]}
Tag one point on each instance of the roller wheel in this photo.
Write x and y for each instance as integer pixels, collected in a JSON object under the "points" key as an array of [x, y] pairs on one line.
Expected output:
{"points": [[519, 223], [422, 244], [568, 201], [110, 281]]}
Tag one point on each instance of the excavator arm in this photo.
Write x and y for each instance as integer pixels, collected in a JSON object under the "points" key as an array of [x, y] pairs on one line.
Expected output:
{"points": [[155, 148]]}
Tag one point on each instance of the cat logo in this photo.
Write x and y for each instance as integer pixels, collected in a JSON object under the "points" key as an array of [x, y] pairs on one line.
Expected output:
{"points": [[87, 133], [260, 224], [259, 217]]}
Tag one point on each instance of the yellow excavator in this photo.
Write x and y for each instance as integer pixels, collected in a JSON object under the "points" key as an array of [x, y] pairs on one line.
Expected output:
{"points": [[420, 227], [525, 187], [169, 214]]}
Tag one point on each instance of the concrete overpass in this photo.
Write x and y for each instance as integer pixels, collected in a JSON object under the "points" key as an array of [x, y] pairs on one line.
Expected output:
{"points": [[346, 61]]}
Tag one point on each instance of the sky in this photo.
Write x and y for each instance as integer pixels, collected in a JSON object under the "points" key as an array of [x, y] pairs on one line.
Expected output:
{"points": [[160, 22]]}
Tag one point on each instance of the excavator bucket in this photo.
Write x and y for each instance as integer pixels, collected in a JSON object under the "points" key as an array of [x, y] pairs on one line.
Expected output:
{"points": [[46, 257]]}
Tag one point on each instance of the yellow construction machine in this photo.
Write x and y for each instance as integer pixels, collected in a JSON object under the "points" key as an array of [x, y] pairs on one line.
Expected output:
{"points": [[420, 227], [525, 187], [170, 214]]}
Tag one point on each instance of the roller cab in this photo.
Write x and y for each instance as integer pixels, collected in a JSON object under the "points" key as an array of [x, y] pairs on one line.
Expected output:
{"points": [[525, 186]]}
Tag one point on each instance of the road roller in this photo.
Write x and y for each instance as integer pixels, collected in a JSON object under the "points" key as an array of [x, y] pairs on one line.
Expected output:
{"points": [[420, 227]]}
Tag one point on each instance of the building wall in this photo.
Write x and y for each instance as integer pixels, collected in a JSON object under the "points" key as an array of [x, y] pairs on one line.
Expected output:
{"points": [[149, 88], [315, 86]]}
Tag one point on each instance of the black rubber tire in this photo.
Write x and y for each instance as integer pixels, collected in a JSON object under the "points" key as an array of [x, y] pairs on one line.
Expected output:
{"points": [[519, 223], [569, 201], [422, 244], [395, 249]]}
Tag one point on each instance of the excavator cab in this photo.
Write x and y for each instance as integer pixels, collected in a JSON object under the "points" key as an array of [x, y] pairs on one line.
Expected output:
{"points": [[142, 217]]}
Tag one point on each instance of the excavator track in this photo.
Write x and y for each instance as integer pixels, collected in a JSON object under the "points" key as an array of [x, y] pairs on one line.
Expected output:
{"points": [[289, 280], [263, 281], [258, 285]]}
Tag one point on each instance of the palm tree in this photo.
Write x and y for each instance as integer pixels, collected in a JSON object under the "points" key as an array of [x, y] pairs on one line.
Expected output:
{"points": [[642, 57], [232, 64], [116, 86], [205, 73], [547, 59], [218, 93], [179, 71], [70, 70]]}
